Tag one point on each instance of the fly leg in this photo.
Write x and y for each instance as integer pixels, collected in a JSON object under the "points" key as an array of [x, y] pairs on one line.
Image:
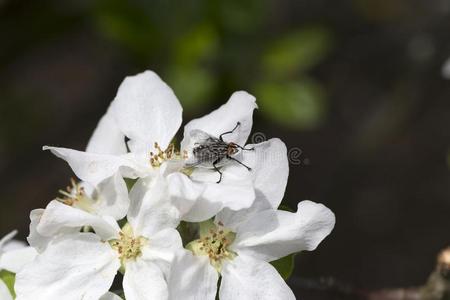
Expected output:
{"points": [[228, 132], [246, 149], [217, 169], [239, 162]]}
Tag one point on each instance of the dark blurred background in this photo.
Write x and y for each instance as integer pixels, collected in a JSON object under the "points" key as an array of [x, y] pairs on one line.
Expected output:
{"points": [[357, 85]]}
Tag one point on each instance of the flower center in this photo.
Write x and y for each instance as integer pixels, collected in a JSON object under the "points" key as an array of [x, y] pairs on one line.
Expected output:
{"points": [[127, 245], [75, 196], [157, 159], [215, 243]]}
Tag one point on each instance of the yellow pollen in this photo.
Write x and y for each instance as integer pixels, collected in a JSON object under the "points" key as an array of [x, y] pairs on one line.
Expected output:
{"points": [[127, 245], [215, 244]]}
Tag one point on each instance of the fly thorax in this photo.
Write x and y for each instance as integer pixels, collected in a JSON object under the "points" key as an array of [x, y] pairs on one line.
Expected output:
{"points": [[160, 156], [127, 245], [215, 243], [75, 196]]}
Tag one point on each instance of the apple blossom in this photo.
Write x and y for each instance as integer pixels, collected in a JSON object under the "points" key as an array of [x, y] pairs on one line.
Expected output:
{"points": [[239, 250], [108, 198], [239, 245], [83, 265], [148, 114], [13, 256], [96, 228]]}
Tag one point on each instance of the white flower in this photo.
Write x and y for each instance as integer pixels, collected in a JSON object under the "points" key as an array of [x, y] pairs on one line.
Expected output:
{"points": [[109, 198], [14, 254], [4, 292], [147, 112], [239, 245], [83, 265], [240, 251]]}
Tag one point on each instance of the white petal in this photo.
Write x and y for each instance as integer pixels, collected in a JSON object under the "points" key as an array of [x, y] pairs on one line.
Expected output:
{"points": [[4, 292], [147, 111], [192, 278], [6, 239], [235, 191], [238, 109], [94, 168], [107, 138], [112, 197], [15, 260], [183, 191], [150, 209], [296, 232], [270, 170], [144, 280], [35, 239], [39, 241], [110, 296], [247, 278], [72, 267], [256, 225], [162, 246], [58, 216], [14, 245]]}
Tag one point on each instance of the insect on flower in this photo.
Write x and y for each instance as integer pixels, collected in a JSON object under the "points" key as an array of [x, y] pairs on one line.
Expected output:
{"points": [[212, 152]]}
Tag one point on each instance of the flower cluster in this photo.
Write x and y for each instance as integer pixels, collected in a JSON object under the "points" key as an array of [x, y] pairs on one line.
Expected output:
{"points": [[198, 221]]}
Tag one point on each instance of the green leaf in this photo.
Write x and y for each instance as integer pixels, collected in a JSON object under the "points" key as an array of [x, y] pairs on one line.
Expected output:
{"points": [[9, 279], [285, 266], [297, 52], [295, 104]]}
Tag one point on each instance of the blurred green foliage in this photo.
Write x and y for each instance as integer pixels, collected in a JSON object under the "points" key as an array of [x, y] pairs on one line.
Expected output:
{"points": [[295, 104], [297, 52], [216, 47], [205, 50]]}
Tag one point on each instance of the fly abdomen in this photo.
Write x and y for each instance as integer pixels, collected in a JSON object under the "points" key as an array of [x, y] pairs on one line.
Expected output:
{"points": [[210, 152]]}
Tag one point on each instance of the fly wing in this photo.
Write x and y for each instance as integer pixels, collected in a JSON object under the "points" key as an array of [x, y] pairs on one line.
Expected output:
{"points": [[197, 138]]}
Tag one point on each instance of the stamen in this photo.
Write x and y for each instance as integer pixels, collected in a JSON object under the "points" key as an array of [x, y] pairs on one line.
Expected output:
{"points": [[158, 158], [127, 245], [215, 244], [75, 196]]}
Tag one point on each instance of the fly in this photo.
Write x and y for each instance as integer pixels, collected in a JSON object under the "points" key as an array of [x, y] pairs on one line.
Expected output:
{"points": [[214, 151]]}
